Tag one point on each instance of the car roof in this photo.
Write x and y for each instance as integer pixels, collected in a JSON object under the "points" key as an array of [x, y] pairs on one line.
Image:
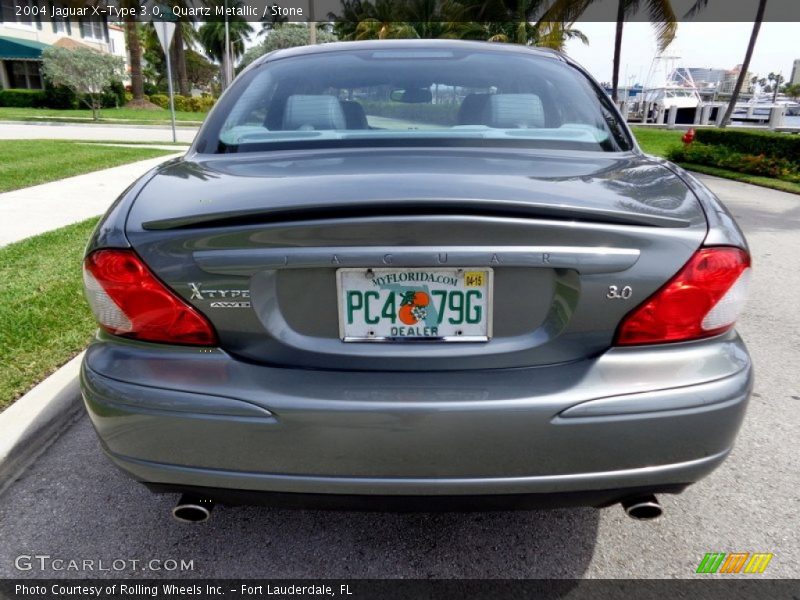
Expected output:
{"points": [[411, 44]]}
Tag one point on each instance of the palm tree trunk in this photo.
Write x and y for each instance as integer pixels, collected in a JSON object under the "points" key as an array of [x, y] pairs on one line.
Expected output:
{"points": [[762, 5], [617, 49], [135, 51], [179, 60], [312, 26]]}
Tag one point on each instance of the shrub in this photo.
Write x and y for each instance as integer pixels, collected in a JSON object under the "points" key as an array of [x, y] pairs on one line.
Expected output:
{"points": [[89, 73], [184, 103], [22, 98], [181, 102], [59, 97], [113, 95], [202, 104], [726, 158], [778, 145], [128, 97], [161, 100]]}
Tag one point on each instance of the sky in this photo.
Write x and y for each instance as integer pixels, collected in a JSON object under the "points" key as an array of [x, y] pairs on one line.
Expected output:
{"points": [[711, 45]]}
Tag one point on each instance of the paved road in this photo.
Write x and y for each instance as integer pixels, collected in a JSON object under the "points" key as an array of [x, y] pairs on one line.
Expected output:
{"points": [[10, 130], [73, 504]]}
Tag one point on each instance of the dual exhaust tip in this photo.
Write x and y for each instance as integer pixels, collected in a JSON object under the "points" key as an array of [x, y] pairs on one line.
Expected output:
{"points": [[194, 509], [642, 508]]}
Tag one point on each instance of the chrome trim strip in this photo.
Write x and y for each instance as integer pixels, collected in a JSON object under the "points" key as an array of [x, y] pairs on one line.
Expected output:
{"points": [[246, 262]]}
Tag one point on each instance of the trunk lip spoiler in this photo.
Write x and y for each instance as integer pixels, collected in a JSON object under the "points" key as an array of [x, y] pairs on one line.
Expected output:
{"points": [[449, 207]]}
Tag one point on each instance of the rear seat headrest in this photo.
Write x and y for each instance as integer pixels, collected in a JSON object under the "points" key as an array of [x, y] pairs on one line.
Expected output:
{"points": [[354, 115], [473, 109], [313, 112], [512, 111]]}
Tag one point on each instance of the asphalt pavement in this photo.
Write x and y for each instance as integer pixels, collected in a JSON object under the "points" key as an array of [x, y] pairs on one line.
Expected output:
{"points": [[73, 504]]}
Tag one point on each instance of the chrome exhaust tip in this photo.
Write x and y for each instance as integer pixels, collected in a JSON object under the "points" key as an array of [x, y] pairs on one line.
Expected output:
{"points": [[642, 508], [191, 509]]}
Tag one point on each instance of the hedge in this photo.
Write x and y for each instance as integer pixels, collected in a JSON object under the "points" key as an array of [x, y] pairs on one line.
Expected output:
{"points": [[59, 97], [185, 103], [22, 98], [113, 96], [724, 157], [756, 143]]}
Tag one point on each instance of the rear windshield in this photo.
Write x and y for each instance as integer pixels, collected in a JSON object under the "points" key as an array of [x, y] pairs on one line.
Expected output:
{"points": [[416, 96]]}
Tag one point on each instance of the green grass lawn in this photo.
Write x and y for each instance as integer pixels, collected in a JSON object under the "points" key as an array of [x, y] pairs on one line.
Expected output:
{"points": [[107, 115], [44, 319], [657, 141], [30, 162]]}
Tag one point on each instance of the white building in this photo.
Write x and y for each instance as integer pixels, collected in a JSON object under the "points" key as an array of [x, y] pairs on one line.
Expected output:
{"points": [[729, 81], [795, 78], [23, 38]]}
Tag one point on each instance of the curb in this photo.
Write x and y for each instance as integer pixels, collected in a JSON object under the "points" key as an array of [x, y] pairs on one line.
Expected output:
{"points": [[32, 423], [133, 125]]}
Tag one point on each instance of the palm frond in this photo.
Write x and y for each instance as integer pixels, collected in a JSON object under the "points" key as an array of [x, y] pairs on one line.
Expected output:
{"points": [[565, 11], [665, 23], [696, 9]]}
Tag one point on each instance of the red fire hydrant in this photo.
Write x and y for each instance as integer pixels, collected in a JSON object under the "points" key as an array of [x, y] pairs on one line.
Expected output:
{"points": [[688, 137]]}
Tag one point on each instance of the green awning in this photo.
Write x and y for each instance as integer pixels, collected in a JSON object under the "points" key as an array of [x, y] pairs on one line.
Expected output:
{"points": [[18, 49]]}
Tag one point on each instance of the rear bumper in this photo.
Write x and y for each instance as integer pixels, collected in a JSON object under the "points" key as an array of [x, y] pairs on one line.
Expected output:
{"points": [[632, 419]]}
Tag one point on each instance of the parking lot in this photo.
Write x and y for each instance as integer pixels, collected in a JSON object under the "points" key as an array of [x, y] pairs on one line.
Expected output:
{"points": [[73, 504]]}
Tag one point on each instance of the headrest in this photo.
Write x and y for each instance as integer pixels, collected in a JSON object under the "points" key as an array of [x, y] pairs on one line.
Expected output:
{"points": [[313, 112], [354, 115], [514, 111], [472, 109]]}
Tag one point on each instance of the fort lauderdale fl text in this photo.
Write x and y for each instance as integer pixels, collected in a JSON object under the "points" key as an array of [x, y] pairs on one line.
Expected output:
{"points": [[157, 11], [172, 590]]}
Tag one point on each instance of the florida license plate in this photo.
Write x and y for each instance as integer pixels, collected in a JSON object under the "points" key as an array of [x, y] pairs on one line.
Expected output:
{"points": [[399, 304]]}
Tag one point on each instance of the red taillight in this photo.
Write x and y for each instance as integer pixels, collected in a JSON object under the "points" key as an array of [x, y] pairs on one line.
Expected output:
{"points": [[702, 300], [128, 300]]}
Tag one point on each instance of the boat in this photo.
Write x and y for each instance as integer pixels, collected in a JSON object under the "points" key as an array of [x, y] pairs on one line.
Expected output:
{"points": [[666, 87], [759, 107]]}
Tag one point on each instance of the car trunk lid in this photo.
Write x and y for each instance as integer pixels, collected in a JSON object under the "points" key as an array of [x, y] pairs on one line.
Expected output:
{"points": [[574, 241]]}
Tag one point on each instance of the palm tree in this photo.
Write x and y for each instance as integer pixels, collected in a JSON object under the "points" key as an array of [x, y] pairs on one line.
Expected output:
{"points": [[184, 32], [663, 19], [737, 89], [374, 29], [211, 36], [776, 79], [135, 54], [545, 22]]}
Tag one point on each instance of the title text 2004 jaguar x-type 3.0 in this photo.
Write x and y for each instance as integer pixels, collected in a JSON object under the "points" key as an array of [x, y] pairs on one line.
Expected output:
{"points": [[416, 274]]}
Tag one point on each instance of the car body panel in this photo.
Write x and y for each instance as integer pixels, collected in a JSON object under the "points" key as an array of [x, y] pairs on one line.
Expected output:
{"points": [[547, 406], [502, 431]]}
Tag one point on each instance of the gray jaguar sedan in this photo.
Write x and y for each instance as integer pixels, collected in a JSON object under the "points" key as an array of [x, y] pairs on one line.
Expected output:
{"points": [[416, 275]]}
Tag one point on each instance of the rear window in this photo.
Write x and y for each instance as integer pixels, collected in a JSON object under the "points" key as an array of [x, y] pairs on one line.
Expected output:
{"points": [[416, 96]]}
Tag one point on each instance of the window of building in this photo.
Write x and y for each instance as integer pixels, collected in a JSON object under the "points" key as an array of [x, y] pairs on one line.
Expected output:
{"points": [[24, 74], [93, 30], [28, 12]]}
